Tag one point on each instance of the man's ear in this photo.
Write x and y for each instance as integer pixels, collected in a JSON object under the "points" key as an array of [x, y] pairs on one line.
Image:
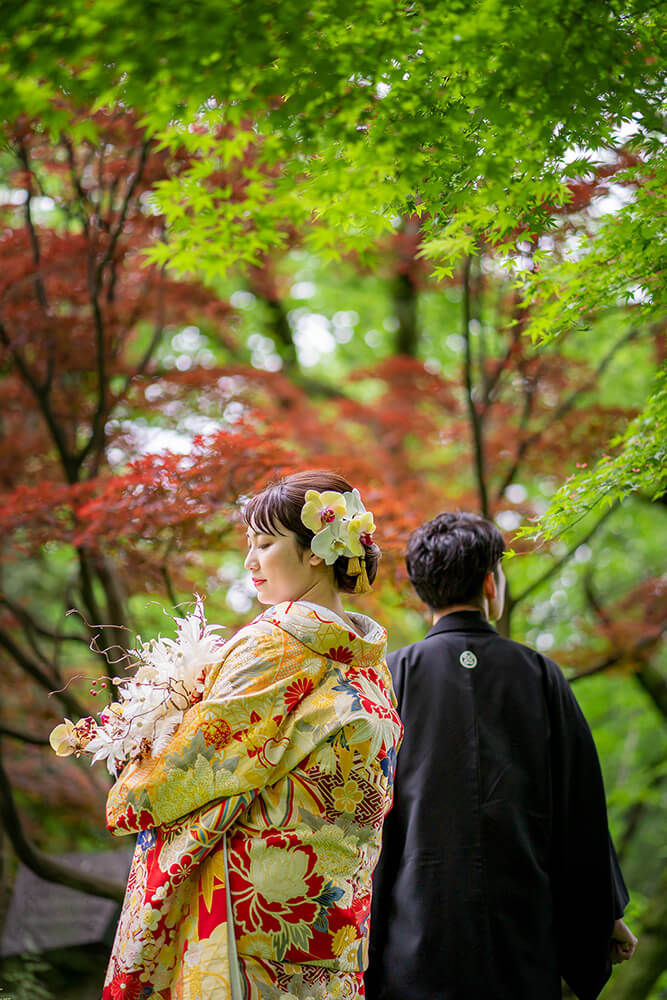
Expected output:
{"points": [[489, 588]]}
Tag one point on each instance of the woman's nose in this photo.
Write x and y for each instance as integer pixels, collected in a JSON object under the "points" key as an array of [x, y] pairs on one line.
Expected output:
{"points": [[250, 560]]}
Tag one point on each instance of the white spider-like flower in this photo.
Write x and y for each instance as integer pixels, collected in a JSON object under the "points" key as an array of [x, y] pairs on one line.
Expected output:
{"points": [[170, 677]]}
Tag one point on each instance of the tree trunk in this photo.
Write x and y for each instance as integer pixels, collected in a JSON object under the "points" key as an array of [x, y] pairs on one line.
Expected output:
{"points": [[654, 683], [405, 307], [43, 865]]}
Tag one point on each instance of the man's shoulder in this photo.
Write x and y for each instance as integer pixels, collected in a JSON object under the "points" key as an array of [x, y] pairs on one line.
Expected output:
{"points": [[437, 645]]}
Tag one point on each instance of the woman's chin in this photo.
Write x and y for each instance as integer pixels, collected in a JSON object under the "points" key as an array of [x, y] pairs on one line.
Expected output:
{"points": [[270, 599]]}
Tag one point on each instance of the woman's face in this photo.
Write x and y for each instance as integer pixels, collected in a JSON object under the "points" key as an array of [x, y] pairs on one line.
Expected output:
{"points": [[280, 571]]}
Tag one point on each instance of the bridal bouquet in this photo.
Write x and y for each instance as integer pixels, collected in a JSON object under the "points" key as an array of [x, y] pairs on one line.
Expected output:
{"points": [[150, 705]]}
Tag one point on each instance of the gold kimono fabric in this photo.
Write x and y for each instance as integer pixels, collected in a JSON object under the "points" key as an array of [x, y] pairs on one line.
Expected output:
{"points": [[290, 758]]}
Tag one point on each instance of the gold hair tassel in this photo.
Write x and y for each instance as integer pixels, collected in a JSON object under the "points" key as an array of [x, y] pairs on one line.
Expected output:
{"points": [[353, 567], [362, 586]]}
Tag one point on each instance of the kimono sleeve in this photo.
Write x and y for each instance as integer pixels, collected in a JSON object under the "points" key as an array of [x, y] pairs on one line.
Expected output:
{"points": [[587, 883], [249, 730]]}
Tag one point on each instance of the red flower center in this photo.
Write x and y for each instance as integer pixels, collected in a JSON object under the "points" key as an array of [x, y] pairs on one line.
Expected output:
{"points": [[328, 515]]}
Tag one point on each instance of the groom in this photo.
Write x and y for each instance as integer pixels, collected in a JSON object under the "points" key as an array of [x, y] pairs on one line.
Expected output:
{"points": [[497, 874]]}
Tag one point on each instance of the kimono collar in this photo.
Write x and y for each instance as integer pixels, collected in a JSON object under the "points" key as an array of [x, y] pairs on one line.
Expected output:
{"points": [[325, 633], [461, 621]]}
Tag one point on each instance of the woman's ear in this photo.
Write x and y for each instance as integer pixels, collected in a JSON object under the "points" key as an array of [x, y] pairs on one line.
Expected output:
{"points": [[314, 560]]}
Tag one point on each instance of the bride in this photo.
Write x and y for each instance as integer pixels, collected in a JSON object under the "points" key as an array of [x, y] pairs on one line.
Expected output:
{"points": [[259, 824]]}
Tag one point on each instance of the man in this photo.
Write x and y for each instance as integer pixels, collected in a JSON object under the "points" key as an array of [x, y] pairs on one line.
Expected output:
{"points": [[497, 874]]}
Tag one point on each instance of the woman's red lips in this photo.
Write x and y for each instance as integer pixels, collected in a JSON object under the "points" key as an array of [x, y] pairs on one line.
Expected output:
{"points": [[257, 581]]}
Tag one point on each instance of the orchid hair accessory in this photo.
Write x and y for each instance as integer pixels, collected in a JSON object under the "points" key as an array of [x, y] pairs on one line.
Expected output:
{"points": [[342, 527]]}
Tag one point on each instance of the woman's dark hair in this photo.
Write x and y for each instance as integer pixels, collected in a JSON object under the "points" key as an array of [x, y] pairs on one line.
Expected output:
{"points": [[280, 505], [449, 557]]}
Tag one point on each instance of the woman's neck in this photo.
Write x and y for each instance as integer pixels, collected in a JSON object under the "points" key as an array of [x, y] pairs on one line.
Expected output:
{"points": [[327, 597]]}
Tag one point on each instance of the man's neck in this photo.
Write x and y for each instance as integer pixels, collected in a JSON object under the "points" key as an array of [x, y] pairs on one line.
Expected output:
{"points": [[441, 612]]}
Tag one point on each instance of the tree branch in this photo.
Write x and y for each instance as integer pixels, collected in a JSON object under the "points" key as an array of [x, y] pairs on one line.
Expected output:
{"points": [[30, 226], [29, 622], [93, 609], [405, 304], [634, 815], [115, 235], [518, 316], [555, 567], [31, 667], [42, 864], [110, 581], [654, 683], [657, 684], [158, 331], [96, 438], [168, 586], [82, 215], [565, 407], [16, 734], [41, 395], [475, 423]]}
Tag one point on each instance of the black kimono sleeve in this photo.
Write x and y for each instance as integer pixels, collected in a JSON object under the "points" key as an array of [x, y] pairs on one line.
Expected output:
{"points": [[589, 891]]}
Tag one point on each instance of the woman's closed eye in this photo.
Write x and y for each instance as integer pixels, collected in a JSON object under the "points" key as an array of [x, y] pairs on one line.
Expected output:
{"points": [[258, 545]]}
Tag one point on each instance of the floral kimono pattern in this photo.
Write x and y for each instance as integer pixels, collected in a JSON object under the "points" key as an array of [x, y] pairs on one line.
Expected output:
{"points": [[269, 798]]}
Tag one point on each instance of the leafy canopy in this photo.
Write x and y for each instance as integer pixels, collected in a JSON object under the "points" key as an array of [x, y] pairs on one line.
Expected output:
{"points": [[359, 111]]}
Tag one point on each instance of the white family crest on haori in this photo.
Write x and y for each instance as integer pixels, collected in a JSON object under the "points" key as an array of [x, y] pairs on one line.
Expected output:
{"points": [[150, 704]]}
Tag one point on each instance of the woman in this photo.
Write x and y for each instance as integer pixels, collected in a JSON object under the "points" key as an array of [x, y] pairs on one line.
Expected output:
{"points": [[259, 825]]}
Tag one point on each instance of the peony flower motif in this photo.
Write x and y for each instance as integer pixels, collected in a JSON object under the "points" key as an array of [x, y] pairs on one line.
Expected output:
{"points": [[63, 739], [275, 888], [321, 509]]}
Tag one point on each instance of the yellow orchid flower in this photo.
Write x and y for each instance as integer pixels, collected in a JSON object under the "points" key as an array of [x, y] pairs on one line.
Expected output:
{"points": [[361, 524], [63, 739], [321, 509]]}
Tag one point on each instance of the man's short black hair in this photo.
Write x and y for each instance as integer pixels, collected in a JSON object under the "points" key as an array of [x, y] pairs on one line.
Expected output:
{"points": [[449, 557]]}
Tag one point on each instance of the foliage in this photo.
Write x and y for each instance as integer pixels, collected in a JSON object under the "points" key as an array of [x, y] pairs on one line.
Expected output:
{"points": [[620, 262], [481, 119], [432, 259], [640, 466], [25, 981], [139, 409], [423, 106]]}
